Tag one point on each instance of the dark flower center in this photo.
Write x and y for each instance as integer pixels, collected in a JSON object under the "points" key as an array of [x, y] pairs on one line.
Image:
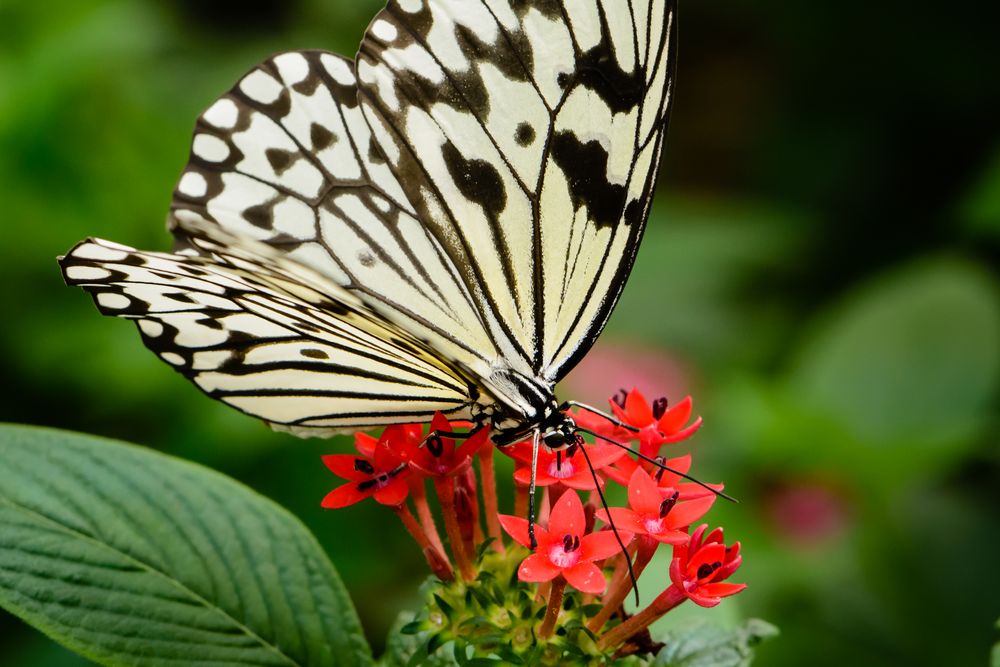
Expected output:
{"points": [[571, 543], [619, 398], [659, 407], [668, 504], [375, 481], [435, 446], [660, 468], [361, 465], [706, 570]]}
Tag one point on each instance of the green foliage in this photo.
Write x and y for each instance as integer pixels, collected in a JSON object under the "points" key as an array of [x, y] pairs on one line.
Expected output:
{"points": [[703, 645], [134, 558]]}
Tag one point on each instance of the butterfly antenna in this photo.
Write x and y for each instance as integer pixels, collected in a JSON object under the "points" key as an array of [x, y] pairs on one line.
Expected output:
{"points": [[531, 491], [601, 413], [659, 465], [611, 522]]}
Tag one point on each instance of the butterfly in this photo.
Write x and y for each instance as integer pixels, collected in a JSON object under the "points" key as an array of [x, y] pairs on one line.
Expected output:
{"points": [[444, 223]]}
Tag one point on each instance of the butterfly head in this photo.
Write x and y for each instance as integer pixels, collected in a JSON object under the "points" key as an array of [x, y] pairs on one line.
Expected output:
{"points": [[559, 432]]}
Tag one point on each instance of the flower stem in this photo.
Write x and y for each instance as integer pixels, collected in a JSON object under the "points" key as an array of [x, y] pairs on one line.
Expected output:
{"points": [[552, 610], [491, 506], [617, 635], [419, 492], [436, 559], [445, 487], [621, 584]]}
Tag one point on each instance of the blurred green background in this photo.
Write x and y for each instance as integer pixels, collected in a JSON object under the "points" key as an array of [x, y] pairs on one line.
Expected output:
{"points": [[820, 272]]}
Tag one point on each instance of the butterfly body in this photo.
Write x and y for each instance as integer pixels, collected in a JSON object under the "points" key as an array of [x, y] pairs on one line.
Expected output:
{"points": [[442, 224]]}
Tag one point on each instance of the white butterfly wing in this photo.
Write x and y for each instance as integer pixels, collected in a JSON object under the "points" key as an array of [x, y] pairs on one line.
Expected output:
{"points": [[286, 158], [527, 136], [267, 338]]}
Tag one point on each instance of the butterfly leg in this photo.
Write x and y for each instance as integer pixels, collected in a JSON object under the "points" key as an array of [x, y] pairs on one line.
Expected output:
{"points": [[531, 490]]}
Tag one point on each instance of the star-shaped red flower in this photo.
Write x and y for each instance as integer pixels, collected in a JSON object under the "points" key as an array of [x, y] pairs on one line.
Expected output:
{"points": [[567, 466], [650, 513], [564, 548], [439, 457], [378, 471], [700, 567], [657, 423]]}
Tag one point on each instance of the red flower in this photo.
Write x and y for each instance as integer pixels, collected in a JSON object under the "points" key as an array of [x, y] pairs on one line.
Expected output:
{"points": [[567, 466], [700, 567], [379, 471], [668, 481], [439, 457], [662, 518], [564, 548], [657, 424]]}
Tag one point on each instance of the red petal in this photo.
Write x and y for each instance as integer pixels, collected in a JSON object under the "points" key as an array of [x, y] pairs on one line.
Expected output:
{"points": [[342, 465], [684, 514], [517, 528], [643, 494], [602, 456], [567, 516], [472, 445], [671, 537], [720, 590], [586, 578], [625, 519], [537, 568], [702, 600], [690, 491], [603, 544], [386, 457], [698, 535], [637, 409], [582, 480], [394, 493], [684, 434], [365, 444], [675, 417], [709, 553], [677, 574], [523, 477], [621, 470], [440, 423], [345, 495]]}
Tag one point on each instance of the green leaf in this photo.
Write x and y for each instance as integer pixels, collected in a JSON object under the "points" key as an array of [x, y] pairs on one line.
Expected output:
{"points": [[700, 644], [995, 653], [911, 358], [131, 557]]}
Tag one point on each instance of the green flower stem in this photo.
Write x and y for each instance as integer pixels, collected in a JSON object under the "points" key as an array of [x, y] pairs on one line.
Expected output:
{"points": [[622, 584], [554, 607], [488, 480], [436, 559], [445, 487], [666, 601]]}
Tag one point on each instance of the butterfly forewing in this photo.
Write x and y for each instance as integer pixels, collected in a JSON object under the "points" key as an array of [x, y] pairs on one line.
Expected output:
{"points": [[527, 137], [267, 343], [286, 158]]}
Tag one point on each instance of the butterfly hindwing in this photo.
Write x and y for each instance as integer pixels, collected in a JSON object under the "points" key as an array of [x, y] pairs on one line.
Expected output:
{"points": [[266, 343], [527, 136]]}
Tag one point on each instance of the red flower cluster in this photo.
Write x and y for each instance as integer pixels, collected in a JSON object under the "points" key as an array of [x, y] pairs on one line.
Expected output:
{"points": [[571, 547]]}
